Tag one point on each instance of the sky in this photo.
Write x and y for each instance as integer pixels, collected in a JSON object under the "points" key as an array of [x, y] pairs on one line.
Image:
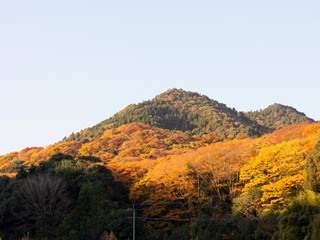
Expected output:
{"points": [[67, 65]]}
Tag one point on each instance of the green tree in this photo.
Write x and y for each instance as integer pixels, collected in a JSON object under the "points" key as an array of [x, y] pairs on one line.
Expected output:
{"points": [[300, 217], [313, 169]]}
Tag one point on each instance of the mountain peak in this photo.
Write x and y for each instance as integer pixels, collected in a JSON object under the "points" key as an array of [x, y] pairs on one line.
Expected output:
{"points": [[277, 106], [178, 109], [277, 115], [176, 93]]}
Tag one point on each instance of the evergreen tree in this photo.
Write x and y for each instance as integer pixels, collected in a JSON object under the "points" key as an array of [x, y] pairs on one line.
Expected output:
{"points": [[312, 169]]}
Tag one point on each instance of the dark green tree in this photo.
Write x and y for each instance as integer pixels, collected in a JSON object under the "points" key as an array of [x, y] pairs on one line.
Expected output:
{"points": [[64, 198], [313, 169], [300, 217]]}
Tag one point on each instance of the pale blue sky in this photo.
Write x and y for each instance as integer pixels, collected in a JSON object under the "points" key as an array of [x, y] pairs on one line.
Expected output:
{"points": [[67, 65]]}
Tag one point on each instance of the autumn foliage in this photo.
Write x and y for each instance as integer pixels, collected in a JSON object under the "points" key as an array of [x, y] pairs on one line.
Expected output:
{"points": [[175, 175]]}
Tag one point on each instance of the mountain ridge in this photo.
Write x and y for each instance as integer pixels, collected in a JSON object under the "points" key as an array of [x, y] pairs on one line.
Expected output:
{"points": [[194, 113], [284, 114]]}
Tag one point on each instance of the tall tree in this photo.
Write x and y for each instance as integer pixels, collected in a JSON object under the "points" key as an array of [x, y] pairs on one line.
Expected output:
{"points": [[40, 203]]}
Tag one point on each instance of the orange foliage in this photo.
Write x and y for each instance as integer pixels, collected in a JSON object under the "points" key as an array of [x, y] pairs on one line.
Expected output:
{"points": [[168, 166], [29, 154], [176, 178], [135, 141], [283, 135], [11, 163], [70, 148]]}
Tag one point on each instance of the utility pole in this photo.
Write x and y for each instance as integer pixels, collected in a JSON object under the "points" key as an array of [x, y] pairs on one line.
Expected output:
{"points": [[134, 223]]}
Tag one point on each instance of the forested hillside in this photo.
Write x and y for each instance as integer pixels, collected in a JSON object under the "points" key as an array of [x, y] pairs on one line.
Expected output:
{"points": [[199, 182], [193, 113], [277, 116]]}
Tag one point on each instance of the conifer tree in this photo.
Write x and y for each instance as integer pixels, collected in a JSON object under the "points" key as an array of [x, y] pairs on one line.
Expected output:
{"points": [[312, 170]]}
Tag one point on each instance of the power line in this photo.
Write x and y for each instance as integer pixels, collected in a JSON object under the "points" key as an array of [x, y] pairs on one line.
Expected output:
{"points": [[163, 219], [221, 219]]}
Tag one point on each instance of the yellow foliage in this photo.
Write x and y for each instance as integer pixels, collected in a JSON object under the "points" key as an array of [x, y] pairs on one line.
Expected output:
{"points": [[278, 169]]}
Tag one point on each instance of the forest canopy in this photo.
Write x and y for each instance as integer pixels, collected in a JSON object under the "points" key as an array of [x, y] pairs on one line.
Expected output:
{"points": [[180, 166]]}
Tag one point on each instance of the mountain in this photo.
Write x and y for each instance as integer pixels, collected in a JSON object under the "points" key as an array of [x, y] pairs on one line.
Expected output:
{"points": [[177, 109], [183, 183], [194, 113], [277, 116]]}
